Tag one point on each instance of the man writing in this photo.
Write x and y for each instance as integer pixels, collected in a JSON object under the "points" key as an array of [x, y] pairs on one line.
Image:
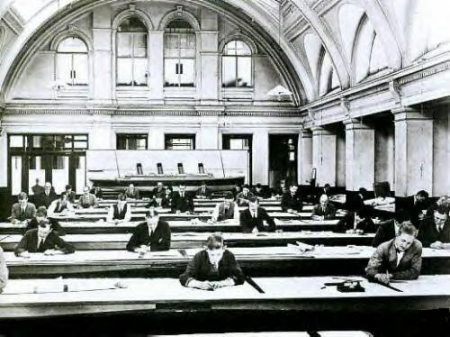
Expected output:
{"points": [[324, 210], [151, 235], [435, 232], [120, 212]]}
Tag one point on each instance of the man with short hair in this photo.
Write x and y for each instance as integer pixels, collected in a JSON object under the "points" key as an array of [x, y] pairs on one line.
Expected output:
{"points": [[389, 229], [435, 232], [417, 206], [212, 268], [42, 240], [204, 192], [291, 201], [41, 215], [22, 210], [228, 209], [132, 192], [253, 218], [397, 259], [61, 205], [151, 235], [37, 189], [259, 192], [182, 201], [87, 200], [120, 212], [324, 210], [159, 191], [281, 188], [46, 198], [71, 195], [243, 197]]}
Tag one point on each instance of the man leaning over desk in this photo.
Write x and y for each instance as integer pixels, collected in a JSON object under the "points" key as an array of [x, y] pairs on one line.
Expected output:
{"points": [[254, 218], [397, 259], [226, 210]]}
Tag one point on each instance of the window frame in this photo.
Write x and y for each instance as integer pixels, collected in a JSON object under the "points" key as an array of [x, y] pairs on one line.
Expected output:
{"points": [[72, 84], [237, 57], [128, 136], [170, 136]]}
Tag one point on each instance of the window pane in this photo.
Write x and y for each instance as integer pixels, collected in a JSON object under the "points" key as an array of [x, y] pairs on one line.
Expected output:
{"points": [[187, 72], [16, 141], [124, 72], [187, 45], [81, 69], [170, 76], [171, 45], [72, 45], [140, 72], [180, 143], [132, 24], [64, 68], [140, 45], [124, 45], [245, 71], [229, 71], [16, 174]]}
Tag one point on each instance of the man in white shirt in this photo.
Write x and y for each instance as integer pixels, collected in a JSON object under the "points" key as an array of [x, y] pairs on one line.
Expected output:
{"points": [[121, 212]]}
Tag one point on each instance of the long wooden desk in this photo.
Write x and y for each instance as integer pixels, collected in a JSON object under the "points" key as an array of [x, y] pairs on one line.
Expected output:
{"points": [[153, 295], [203, 202], [196, 240], [258, 261], [102, 227]]}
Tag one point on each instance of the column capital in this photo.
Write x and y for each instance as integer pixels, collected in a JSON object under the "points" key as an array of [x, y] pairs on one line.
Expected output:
{"points": [[411, 114], [320, 131], [355, 124], [305, 133]]}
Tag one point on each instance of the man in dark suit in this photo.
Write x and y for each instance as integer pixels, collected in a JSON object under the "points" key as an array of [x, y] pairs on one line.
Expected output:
{"points": [[435, 232], [253, 218], [159, 191], [37, 189], [151, 235], [22, 210], [243, 198], [324, 210], [291, 201], [41, 215], [259, 192], [397, 259], [46, 198], [389, 229], [42, 240], [182, 202], [71, 195], [417, 206], [204, 192], [225, 210]]}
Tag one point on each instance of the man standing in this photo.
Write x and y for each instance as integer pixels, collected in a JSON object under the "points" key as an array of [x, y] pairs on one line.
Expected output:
{"points": [[397, 259], [253, 218], [389, 229]]}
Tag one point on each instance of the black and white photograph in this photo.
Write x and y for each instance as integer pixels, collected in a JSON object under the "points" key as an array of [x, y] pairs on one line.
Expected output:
{"points": [[225, 168]]}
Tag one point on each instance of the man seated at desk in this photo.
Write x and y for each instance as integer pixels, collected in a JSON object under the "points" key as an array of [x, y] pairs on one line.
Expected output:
{"points": [[324, 210], [71, 195], [4, 274], [87, 199], [397, 259], [417, 206], [37, 189], [182, 202], [280, 189], [97, 192], [42, 240], [253, 218], [357, 222], [389, 229], [61, 205], [435, 232], [120, 212], [41, 215], [291, 201], [151, 235], [132, 192], [159, 191], [46, 198], [243, 197], [204, 192], [212, 268], [259, 192], [228, 209], [22, 210]]}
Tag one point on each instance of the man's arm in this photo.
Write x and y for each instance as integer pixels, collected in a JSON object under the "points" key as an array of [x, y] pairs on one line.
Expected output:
{"points": [[166, 238], [379, 236], [22, 245], [375, 264], [134, 241], [284, 203], [110, 216], [236, 272], [127, 217], [52, 207], [236, 212], [95, 201], [63, 246], [191, 272], [413, 272], [270, 221], [15, 212], [243, 222]]}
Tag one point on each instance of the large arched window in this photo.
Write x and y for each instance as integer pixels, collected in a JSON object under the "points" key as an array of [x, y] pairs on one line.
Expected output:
{"points": [[179, 54], [237, 65], [72, 66], [132, 62]]}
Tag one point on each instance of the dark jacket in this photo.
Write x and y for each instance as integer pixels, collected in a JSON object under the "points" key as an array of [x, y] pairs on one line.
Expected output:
{"points": [[207, 193], [160, 240], [385, 259], [199, 268], [132, 194], [182, 204], [385, 232], [44, 199], [29, 243], [329, 213], [348, 222], [415, 209], [247, 222], [429, 234], [17, 214], [54, 224], [291, 202], [119, 215]]}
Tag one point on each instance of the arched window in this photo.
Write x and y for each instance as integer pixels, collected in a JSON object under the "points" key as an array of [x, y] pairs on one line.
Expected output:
{"points": [[72, 66], [179, 54], [237, 65], [132, 61]]}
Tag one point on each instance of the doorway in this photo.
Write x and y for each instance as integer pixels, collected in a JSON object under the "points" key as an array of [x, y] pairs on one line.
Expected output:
{"points": [[283, 159]]}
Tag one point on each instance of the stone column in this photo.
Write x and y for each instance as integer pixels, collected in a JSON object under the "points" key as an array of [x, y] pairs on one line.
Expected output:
{"points": [[209, 56], [413, 151], [305, 157], [359, 155], [260, 155], [156, 66], [324, 155]]}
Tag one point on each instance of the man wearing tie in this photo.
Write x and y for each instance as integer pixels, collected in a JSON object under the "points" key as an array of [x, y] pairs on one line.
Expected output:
{"points": [[22, 210], [291, 201], [397, 259], [42, 240], [253, 218], [46, 198], [435, 232], [324, 210], [227, 209], [182, 202], [151, 235], [120, 212]]}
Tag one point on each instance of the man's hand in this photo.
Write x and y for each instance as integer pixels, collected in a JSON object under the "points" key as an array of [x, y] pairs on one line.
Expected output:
{"points": [[25, 254], [383, 278], [142, 249], [229, 282], [255, 230], [437, 245], [203, 285], [187, 212], [290, 210], [50, 252]]}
